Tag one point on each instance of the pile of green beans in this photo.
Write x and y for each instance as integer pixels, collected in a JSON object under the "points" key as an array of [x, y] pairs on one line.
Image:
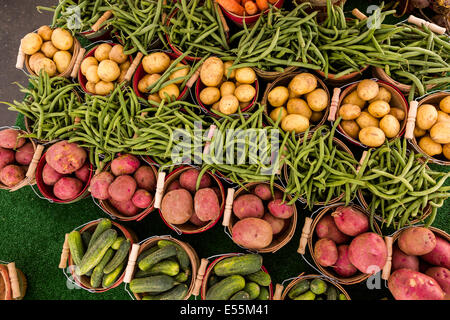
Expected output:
{"points": [[48, 106], [196, 26], [398, 185], [318, 171]]}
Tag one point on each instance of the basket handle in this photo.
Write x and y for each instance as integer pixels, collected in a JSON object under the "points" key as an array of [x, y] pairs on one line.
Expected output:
{"points": [[20, 58], [222, 18], [361, 161], [211, 131], [200, 275], [133, 67], [102, 19], [228, 207], [31, 172], [159, 189], [358, 14], [193, 79], [305, 235], [131, 263], [64, 253], [387, 267], [421, 22], [77, 64], [334, 104], [411, 121], [12, 272], [278, 291]]}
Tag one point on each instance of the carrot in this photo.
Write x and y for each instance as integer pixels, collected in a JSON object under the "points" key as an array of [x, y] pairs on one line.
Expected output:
{"points": [[262, 4], [251, 8], [232, 6], [273, 1]]}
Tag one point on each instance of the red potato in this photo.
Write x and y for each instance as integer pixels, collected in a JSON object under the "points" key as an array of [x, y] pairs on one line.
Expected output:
{"points": [[145, 178], [343, 266], [440, 255], [177, 206], [401, 260], [277, 224], [263, 191], [125, 164], [442, 276], [350, 221], [188, 180], [248, 206], [416, 241], [99, 185], [122, 188], [252, 233], [83, 173], [127, 208], [50, 176], [196, 221], [142, 199], [65, 157], [6, 157], [368, 252], [280, 209], [11, 175], [326, 228], [174, 186], [326, 252], [67, 188], [406, 284], [206, 205], [9, 139], [277, 194], [24, 154]]}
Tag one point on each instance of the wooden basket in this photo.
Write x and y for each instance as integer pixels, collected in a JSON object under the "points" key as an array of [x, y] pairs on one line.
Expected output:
{"points": [[308, 237], [387, 268], [137, 249], [98, 32], [187, 228], [240, 21], [281, 294], [340, 145], [13, 283], [84, 281], [397, 100], [279, 240], [333, 81], [205, 270], [432, 99], [284, 81]]}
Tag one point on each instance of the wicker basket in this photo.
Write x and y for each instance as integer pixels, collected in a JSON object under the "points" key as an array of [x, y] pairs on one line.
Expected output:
{"points": [[279, 240], [432, 99], [137, 249], [13, 283], [334, 82], [308, 237]]}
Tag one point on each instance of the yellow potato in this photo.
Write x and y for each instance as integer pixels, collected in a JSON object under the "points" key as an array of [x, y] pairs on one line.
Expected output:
{"points": [[156, 62], [383, 94], [443, 117], [47, 65], [31, 43], [45, 32], [444, 104], [365, 120], [426, 116], [446, 151], [293, 95], [295, 122], [245, 92], [349, 112], [243, 105], [147, 81], [226, 67], [62, 39], [182, 73], [316, 116], [34, 58], [372, 136], [278, 96], [209, 95], [278, 112], [390, 125], [116, 54], [440, 132], [430, 147], [367, 89], [419, 132], [298, 106], [48, 49], [171, 90], [353, 98], [351, 128], [92, 74], [212, 72], [102, 52], [303, 83], [379, 108], [317, 99], [245, 75], [125, 66], [398, 113], [121, 78], [108, 70], [104, 88], [62, 60], [228, 104], [216, 106], [86, 63], [90, 87], [227, 88], [154, 97]]}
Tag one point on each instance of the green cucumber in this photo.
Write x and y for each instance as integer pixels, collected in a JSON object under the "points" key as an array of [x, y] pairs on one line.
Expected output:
{"points": [[96, 252], [212, 280], [332, 293], [318, 286], [86, 236], [183, 276], [342, 296], [146, 253], [253, 290], [308, 295], [119, 257], [103, 225], [152, 284], [263, 294], [226, 288], [241, 295], [298, 289], [176, 293], [239, 265], [157, 256], [182, 256], [260, 277], [110, 278], [97, 274], [167, 267], [116, 244], [76, 247]]}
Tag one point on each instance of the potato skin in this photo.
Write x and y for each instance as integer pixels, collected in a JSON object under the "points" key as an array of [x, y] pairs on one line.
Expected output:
{"points": [[67, 188], [177, 206], [24, 154], [426, 116], [400, 260], [298, 106], [83, 173], [440, 255], [209, 95], [407, 284], [188, 180], [11, 175], [372, 136], [145, 178], [440, 132], [365, 120], [367, 252], [275, 113], [262, 191], [295, 122], [6, 157], [245, 92], [156, 62], [349, 111], [65, 157], [383, 94], [444, 104], [367, 89], [277, 224], [278, 96], [122, 188], [248, 205], [417, 241], [317, 99], [442, 276], [9, 139], [142, 199], [343, 266], [390, 126], [212, 71], [350, 221], [99, 185], [127, 208], [398, 113], [326, 228], [206, 204], [252, 233], [125, 164], [325, 252], [351, 128], [303, 83], [430, 147], [379, 108], [353, 98], [280, 209]]}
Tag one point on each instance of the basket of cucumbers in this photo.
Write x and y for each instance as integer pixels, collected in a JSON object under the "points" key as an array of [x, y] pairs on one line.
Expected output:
{"points": [[162, 268]]}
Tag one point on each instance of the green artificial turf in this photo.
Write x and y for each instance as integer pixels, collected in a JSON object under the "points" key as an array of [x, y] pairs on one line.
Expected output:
{"points": [[32, 233]]}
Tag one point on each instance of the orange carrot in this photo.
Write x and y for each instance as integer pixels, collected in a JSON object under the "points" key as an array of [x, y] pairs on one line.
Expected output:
{"points": [[262, 4], [232, 6], [273, 1], [251, 8]]}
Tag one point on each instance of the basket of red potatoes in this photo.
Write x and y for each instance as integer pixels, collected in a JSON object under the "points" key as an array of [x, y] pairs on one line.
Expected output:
{"points": [[63, 173], [259, 218], [125, 188], [191, 201], [420, 264], [342, 245]]}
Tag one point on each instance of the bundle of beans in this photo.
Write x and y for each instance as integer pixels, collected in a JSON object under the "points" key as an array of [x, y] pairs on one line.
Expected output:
{"points": [[399, 187]]}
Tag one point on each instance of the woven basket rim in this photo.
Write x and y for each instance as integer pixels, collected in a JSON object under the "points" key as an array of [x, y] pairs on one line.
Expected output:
{"points": [[380, 73], [5, 285], [440, 232]]}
